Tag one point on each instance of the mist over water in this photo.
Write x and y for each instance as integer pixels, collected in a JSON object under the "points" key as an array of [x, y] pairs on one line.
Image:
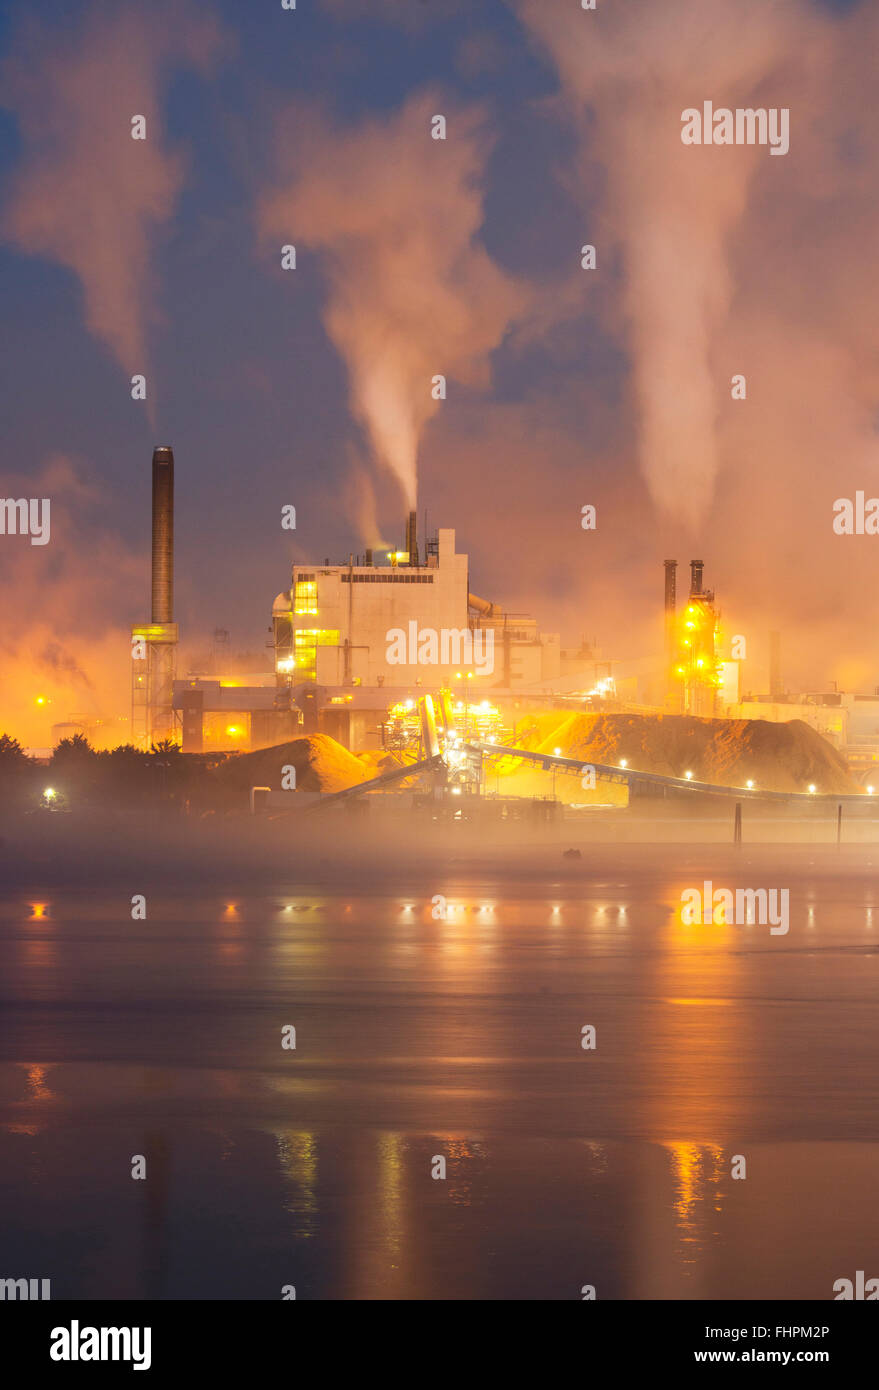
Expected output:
{"points": [[417, 1037]]}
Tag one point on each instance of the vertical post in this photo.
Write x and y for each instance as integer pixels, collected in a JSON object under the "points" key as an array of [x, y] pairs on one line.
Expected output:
{"points": [[839, 824], [775, 681], [670, 642], [737, 828]]}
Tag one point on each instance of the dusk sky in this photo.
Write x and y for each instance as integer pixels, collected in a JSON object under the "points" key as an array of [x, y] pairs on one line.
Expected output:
{"points": [[417, 257]]}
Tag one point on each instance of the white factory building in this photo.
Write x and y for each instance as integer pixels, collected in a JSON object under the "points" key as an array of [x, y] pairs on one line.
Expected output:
{"points": [[391, 621]]}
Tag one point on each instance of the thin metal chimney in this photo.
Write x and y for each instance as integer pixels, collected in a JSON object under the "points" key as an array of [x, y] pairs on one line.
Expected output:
{"points": [[163, 534], [775, 682], [670, 587], [412, 538], [696, 567]]}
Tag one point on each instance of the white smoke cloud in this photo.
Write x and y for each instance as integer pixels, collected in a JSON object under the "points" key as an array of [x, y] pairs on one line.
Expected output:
{"points": [[87, 195], [413, 294], [627, 75]]}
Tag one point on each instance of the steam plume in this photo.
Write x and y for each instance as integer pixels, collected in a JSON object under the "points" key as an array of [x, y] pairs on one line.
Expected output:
{"points": [[88, 195], [629, 73], [412, 292]]}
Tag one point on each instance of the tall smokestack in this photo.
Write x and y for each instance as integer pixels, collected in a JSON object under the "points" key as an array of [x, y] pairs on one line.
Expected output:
{"points": [[671, 567], [696, 567], [412, 538], [163, 535], [670, 588]]}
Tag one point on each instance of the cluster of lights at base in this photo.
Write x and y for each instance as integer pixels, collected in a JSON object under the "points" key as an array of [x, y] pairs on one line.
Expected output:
{"points": [[479, 720], [403, 726], [696, 667], [603, 689]]}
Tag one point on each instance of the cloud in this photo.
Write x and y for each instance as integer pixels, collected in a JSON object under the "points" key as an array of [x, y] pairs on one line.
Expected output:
{"points": [[677, 210], [412, 15], [413, 294], [67, 607], [87, 195]]}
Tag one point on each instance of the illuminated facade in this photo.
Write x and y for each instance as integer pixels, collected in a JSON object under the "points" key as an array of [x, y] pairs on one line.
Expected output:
{"points": [[332, 628], [693, 635]]}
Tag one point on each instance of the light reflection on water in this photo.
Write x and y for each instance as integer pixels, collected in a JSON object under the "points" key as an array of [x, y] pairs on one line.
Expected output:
{"points": [[418, 1038]]}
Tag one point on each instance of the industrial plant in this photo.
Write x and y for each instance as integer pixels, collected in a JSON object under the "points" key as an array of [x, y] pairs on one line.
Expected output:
{"points": [[394, 659]]}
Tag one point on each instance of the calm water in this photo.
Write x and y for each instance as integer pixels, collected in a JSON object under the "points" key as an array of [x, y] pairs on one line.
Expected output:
{"points": [[419, 1037]]}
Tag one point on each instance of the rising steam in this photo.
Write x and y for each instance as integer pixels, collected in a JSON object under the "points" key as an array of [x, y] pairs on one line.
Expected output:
{"points": [[628, 74], [88, 195], [413, 294]]}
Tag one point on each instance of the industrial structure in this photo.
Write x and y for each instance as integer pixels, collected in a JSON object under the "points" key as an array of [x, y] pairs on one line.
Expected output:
{"points": [[393, 621], [448, 771], [357, 646], [691, 639], [229, 714], [154, 644]]}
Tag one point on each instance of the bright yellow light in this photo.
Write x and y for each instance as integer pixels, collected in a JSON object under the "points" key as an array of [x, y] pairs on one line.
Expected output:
{"points": [[869, 791], [557, 752], [233, 730], [811, 786], [688, 776], [624, 762], [749, 783], [49, 793], [41, 700]]}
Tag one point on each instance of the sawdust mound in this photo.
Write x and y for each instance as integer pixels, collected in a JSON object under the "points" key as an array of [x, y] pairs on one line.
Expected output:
{"points": [[728, 752], [322, 765]]}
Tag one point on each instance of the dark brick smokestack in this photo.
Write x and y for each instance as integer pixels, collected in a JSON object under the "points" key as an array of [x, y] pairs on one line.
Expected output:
{"points": [[163, 535], [412, 539]]}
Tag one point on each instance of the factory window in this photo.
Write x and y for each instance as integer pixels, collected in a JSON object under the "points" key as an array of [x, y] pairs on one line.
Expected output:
{"points": [[387, 578], [306, 642], [305, 596]]}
